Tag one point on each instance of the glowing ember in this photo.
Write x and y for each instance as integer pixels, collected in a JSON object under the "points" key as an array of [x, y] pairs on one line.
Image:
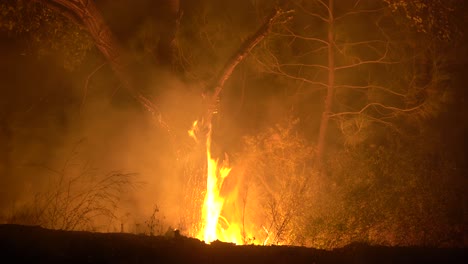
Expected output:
{"points": [[213, 204]]}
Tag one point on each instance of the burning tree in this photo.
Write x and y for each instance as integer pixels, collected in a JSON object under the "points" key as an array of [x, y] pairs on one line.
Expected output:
{"points": [[202, 129], [88, 18]]}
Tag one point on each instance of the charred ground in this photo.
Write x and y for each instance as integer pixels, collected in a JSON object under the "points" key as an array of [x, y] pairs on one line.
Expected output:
{"points": [[33, 244]]}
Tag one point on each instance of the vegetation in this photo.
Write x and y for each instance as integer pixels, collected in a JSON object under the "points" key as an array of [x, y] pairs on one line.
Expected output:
{"points": [[49, 33], [382, 194], [76, 198]]}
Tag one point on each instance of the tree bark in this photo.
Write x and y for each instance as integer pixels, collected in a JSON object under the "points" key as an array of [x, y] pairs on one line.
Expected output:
{"points": [[86, 14], [213, 93], [167, 43], [323, 130]]}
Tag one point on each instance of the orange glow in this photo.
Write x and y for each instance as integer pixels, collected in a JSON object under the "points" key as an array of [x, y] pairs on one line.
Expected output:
{"points": [[191, 132], [213, 203]]}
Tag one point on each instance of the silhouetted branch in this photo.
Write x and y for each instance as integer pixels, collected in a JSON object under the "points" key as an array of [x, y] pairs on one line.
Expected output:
{"points": [[240, 55], [382, 88], [86, 14]]}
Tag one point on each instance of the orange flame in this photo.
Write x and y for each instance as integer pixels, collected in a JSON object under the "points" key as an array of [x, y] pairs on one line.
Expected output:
{"points": [[213, 203]]}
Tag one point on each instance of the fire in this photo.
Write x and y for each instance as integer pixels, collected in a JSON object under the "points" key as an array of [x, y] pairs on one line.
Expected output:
{"points": [[191, 132], [213, 203]]}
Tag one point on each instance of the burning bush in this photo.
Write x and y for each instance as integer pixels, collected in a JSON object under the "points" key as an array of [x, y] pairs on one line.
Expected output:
{"points": [[279, 179]]}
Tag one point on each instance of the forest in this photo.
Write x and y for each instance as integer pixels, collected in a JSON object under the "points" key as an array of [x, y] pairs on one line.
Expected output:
{"points": [[313, 123]]}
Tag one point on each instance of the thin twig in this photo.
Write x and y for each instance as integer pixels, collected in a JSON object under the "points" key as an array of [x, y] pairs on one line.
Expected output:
{"points": [[85, 88]]}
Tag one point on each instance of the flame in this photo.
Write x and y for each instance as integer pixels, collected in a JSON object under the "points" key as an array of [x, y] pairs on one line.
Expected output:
{"points": [[191, 131], [213, 203]]}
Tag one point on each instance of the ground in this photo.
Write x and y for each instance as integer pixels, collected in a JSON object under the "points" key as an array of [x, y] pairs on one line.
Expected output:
{"points": [[33, 244]]}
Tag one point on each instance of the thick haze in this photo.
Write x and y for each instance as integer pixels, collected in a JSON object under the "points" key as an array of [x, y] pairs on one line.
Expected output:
{"points": [[63, 112], [48, 123]]}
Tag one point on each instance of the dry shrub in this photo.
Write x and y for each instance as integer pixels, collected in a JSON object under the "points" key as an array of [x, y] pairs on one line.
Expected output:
{"points": [[388, 195], [77, 197], [75, 203], [278, 174]]}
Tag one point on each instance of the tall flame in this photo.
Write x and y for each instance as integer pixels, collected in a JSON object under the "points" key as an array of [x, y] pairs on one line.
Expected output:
{"points": [[213, 203]]}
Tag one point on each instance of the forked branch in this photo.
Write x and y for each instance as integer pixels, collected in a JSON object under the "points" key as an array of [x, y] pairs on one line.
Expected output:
{"points": [[278, 16], [86, 14]]}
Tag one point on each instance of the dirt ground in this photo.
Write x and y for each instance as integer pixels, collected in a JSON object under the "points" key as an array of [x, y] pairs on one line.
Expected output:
{"points": [[32, 244]]}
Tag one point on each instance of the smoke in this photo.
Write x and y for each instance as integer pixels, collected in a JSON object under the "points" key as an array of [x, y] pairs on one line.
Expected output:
{"points": [[50, 129], [60, 124]]}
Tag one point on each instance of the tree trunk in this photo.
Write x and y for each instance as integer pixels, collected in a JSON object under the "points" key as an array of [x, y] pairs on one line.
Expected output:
{"points": [[6, 138], [167, 42], [322, 137], [213, 93], [86, 14]]}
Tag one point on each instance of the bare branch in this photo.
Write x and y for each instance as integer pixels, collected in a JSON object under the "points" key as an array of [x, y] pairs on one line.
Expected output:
{"points": [[358, 12], [303, 65], [236, 58], [314, 51], [279, 71], [378, 105], [325, 6], [88, 15], [246, 47], [294, 35], [312, 14], [376, 120], [85, 88], [356, 3], [385, 89], [360, 62], [367, 42], [275, 68]]}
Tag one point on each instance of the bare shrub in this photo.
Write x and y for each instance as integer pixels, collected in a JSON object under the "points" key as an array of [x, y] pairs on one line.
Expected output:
{"points": [[154, 223], [279, 171], [75, 203], [192, 172], [77, 197]]}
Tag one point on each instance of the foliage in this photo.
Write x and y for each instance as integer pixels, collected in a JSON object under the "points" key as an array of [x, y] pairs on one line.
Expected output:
{"points": [[46, 31], [433, 17], [388, 190], [390, 194], [210, 32], [383, 75]]}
